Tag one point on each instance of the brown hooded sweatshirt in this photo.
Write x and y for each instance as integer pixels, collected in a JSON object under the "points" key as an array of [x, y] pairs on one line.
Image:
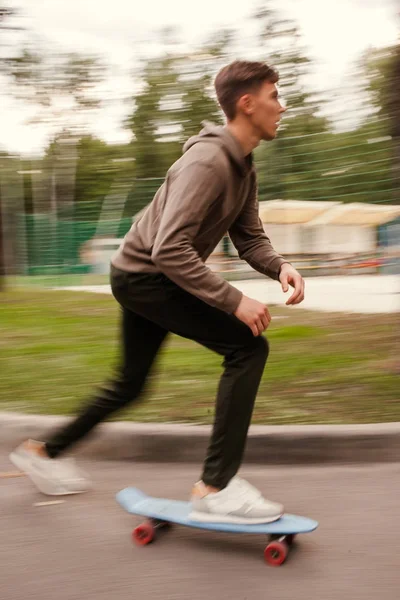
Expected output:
{"points": [[210, 190]]}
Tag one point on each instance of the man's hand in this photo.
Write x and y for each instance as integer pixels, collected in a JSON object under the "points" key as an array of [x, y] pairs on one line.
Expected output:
{"points": [[289, 276], [254, 314]]}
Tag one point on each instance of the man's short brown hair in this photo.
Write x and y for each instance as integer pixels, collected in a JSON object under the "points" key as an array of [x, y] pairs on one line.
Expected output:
{"points": [[239, 78]]}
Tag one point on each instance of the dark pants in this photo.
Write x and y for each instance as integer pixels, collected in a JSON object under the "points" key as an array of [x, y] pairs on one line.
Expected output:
{"points": [[152, 306]]}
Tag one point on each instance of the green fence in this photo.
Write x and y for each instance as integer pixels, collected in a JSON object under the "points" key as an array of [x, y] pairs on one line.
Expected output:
{"points": [[54, 249]]}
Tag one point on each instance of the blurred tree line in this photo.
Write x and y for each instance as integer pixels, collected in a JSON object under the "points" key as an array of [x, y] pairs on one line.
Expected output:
{"points": [[308, 160]]}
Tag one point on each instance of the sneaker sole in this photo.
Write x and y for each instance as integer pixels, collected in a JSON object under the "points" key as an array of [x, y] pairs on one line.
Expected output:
{"points": [[212, 518], [41, 483]]}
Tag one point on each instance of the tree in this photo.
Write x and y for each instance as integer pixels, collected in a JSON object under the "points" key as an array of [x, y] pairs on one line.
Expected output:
{"points": [[381, 68], [150, 115], [5, 25], [382, 83], [176, 96], [196, 81], [392, 106], [62, 88], [286, 162], [279, 42]]}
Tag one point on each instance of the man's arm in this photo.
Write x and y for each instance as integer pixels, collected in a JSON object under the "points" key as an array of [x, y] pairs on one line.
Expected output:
{"points": [[189, 196], [254, 246], [251, 242]]}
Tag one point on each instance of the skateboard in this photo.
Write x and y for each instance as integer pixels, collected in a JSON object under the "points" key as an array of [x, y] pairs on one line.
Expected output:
{"points": [[160, 513]]}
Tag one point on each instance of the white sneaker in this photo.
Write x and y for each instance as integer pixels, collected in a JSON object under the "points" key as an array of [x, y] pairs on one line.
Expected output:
{"points": [[239, 503], [53, 477]]}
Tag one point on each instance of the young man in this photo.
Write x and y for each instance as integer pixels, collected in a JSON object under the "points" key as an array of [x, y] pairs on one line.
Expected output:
{"points": [[160, 279]]}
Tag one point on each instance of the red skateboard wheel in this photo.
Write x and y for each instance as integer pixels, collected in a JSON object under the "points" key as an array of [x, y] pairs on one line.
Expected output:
{"points": [[143, 534], [275, 553]]}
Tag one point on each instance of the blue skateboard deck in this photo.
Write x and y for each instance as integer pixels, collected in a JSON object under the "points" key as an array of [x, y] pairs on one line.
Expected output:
{"points": [[161, 512]]}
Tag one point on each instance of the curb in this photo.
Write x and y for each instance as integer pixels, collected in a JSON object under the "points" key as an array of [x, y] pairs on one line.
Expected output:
{"points": [[267, 445]]}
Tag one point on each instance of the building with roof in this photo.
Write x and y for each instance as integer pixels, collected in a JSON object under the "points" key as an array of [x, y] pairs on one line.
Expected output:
{"points": [[348, 228], [329, 228], [284, 222], [327, 237]]}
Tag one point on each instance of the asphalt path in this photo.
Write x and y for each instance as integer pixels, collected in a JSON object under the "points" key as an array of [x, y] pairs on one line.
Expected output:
{"points": [[80, 548]]}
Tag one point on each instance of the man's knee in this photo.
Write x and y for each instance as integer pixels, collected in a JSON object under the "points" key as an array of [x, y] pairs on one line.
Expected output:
{"points": [[260, 347], [120, 391], [257, 348]]}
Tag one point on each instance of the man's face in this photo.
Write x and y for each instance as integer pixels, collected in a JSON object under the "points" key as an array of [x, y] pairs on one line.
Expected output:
{"points": [[265, 111]]}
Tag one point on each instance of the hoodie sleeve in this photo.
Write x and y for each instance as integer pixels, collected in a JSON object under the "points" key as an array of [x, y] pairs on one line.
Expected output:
{"points": [[189, 196], [249, 238]]}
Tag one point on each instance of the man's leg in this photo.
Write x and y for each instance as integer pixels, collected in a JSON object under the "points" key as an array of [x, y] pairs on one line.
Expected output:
{"points": [[160, 300], [141, 340], [236, 396]]}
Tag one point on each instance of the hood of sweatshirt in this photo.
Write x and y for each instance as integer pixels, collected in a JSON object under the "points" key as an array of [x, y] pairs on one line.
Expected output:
{"points": [[220, 135]]}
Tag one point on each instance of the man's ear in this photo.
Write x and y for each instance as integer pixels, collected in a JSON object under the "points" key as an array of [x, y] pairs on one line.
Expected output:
{"points": [[246, 104]]}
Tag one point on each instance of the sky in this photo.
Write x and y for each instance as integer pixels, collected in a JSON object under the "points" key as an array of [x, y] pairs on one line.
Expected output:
{"points": [[334, 33]]}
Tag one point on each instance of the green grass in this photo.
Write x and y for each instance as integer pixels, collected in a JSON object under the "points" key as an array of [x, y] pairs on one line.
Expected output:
{"points": [[56, 347]]}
